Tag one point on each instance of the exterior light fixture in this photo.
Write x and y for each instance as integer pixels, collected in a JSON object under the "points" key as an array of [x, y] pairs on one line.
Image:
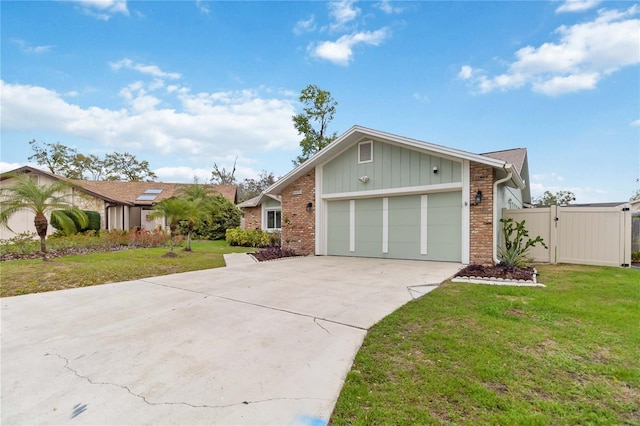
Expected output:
{"points": [[478, 198], [364, 179], [309, 206], [435, 170]]}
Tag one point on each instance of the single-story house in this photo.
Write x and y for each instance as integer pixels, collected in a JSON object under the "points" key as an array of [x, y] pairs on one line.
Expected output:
{"points": [[122, 205], [375, 194]]}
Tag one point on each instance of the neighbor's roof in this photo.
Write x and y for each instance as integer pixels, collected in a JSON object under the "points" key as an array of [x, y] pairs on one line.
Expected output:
{"points": [[127, 193], [358, 133], [516, 156]]}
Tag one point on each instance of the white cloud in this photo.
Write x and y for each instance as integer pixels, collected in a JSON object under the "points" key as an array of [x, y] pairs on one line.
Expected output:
{"points": [[466, 72], [387, 7], [635, 122], [577, 5], [584, 54], [151, 70], [102, 9], [205, 124], [423, 98], [342, 13], [27, 48], [340, 51], [202, 7], [305, 25]]}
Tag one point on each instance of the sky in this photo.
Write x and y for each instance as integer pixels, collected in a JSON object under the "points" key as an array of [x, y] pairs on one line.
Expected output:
{"points": [[188, 84]]}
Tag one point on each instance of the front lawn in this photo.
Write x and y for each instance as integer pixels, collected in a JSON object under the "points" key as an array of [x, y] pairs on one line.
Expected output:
{"points": [[36, 275], [475, 354]]}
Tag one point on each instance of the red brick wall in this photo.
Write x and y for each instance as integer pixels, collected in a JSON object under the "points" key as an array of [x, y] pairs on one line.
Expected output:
{"points": [[481, 216], [253, 217], [299, 225]]}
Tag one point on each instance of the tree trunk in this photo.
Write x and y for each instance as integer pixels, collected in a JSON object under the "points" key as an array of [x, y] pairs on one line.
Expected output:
{"points": [[41, 223], [190, 229], [172, 227]]}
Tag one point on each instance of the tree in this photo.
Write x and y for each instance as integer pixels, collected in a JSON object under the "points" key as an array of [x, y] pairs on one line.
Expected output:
{"points": [[250, 188], [55, 156], [25, 194], [223, 177], [173, 210], [560, 198], [125, 167], [62, 160], [312, 124]]}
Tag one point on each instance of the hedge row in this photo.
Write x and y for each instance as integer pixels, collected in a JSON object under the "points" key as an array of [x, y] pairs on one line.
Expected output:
{"points": [[252, 238]]}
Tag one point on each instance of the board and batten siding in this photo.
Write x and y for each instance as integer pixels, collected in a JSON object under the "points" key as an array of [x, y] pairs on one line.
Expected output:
{"points": [[392, 167]]}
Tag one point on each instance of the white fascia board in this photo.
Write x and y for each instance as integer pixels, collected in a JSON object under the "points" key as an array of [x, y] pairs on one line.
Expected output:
{"points": [[407, 190]]}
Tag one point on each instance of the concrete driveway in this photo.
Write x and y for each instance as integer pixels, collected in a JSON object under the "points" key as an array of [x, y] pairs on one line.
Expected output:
{"points": [[255, 343]]}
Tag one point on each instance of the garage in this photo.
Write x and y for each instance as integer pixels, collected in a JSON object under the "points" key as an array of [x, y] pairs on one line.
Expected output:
{"points": [[419, 227]]}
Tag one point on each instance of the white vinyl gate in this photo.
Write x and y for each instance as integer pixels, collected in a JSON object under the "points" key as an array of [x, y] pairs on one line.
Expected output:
{"points": [[582, 235]]}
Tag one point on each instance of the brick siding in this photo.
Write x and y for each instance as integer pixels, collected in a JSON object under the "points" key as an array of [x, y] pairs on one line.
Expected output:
{"points": [[252, 217], [299, 225], [481, 216]]}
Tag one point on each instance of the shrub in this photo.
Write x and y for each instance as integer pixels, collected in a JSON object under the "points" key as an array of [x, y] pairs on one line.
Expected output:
{"points": [[249, 237], [23, 243], [223, 217], [516, 249], [93, 221]]}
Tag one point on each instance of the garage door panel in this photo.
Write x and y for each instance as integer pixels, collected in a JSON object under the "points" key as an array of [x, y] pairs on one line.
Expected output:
{"points": [[338, 228]]}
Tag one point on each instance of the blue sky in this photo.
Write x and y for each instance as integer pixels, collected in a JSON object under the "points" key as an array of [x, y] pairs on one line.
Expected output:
{"points": [[186, 84]]}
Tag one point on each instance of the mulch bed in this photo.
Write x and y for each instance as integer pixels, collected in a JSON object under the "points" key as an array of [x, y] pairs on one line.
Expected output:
{"points": [[272, 253], [497, 271], [54, 253]]}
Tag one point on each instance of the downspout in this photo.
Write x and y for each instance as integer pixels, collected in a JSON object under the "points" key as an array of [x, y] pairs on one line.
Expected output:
{"points": [[507, 168]]}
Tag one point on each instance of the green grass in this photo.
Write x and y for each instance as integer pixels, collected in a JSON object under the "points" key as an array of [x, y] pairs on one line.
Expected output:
{"points": [[473, 354], [35, 276]]}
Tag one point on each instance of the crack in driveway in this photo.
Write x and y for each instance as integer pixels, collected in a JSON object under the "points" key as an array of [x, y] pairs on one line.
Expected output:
{"points": [[258, 305], [146, 401]]}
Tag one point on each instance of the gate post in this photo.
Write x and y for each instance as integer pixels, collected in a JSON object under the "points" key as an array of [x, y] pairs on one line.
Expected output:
{"points": [[553, 234]]}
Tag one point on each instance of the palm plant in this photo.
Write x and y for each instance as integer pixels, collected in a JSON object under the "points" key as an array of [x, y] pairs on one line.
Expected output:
{"points": [[25, 194], [197, 212], [173, 210], [201, 206]]}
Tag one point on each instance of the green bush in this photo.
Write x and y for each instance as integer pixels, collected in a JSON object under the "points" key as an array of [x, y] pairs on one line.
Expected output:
{"points": [[225, 216], [94, 222], [249, 238]]}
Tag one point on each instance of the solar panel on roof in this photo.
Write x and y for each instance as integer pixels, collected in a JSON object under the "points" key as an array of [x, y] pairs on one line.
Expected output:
{"points": [[146, 197], [153, 191]]}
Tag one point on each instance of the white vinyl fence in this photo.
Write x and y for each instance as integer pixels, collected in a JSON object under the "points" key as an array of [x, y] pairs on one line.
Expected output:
{"points": [[582, 235]]}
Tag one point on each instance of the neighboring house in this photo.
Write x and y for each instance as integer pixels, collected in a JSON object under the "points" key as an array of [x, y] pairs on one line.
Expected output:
{"points": [[375, 194], [122, 205], [262, 212]]}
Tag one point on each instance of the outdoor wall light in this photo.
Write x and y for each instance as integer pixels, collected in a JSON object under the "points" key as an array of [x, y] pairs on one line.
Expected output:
{"points": [[364, 179], [478, 198], [435, 170], [309, 206]]}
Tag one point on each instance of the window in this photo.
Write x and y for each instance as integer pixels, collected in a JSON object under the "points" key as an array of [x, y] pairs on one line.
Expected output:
{"points": [[274, 220], [365, 152]]}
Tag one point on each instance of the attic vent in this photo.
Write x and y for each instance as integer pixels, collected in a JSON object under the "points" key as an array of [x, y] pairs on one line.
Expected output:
{"points": [[365, 152], [149, 195]]}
